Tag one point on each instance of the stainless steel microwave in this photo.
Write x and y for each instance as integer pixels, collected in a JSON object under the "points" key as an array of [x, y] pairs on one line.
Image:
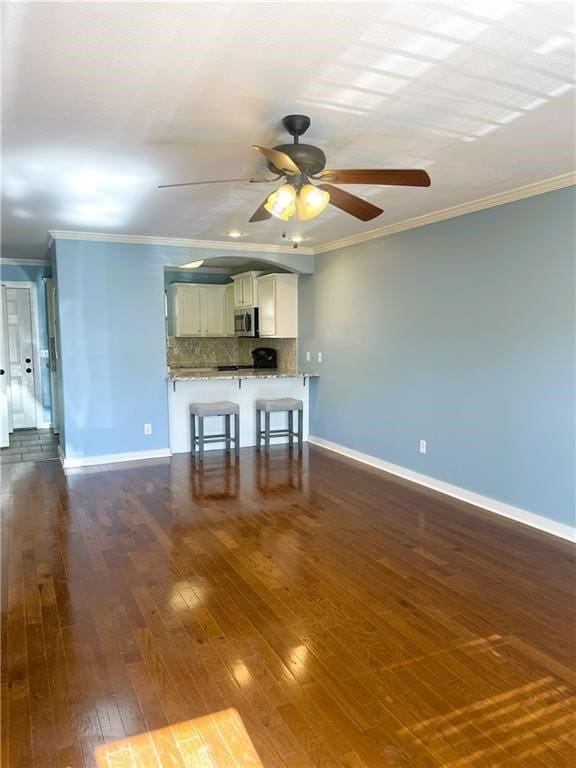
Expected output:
{"points": [[246, 321]]}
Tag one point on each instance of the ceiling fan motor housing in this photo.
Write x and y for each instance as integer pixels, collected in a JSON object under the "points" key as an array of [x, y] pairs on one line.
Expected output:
{"points": [[310, 159]]}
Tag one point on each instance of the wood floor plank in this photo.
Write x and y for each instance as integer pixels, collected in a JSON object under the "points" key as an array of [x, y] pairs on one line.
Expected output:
{"points": [[291, 612]]}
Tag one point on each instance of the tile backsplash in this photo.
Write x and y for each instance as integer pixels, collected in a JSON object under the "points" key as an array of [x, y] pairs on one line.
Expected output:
{"points": [[197, 352], [286, 349]]}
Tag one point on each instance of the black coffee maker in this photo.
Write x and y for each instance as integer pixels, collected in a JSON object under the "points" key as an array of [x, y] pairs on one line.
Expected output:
{"points": [[264, 357]]}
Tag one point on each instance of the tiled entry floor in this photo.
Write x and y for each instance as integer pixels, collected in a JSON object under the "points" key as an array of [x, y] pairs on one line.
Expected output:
{"points": [[30, 445]]}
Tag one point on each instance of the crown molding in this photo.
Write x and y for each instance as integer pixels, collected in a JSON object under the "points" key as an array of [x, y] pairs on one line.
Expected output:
{"points": [[501, 198], [510, 196], [24, 262], [177, 242]]}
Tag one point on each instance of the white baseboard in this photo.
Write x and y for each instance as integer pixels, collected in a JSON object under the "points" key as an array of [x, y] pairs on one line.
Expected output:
{"points": [[111, 458], [561, 530]]}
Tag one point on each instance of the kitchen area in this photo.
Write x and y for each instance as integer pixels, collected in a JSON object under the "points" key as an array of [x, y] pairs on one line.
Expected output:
{"points": [[232, 336]]}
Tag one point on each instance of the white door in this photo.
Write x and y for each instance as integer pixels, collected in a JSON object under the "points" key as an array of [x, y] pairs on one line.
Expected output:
{"points": [[20, 362], [4, 401]]}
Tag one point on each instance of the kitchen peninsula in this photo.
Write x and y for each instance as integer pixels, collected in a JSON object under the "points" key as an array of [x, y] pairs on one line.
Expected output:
{"points": [[189, 385]]}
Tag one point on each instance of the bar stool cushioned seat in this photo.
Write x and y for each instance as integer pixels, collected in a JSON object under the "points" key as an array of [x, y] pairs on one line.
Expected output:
{"points": [[224, 408], [287, 404], [221, 408], [280, 404]]}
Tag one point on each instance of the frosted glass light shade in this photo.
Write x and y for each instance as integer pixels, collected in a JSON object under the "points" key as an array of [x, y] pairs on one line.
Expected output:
{"points": [[282, 203], [311, 201]]}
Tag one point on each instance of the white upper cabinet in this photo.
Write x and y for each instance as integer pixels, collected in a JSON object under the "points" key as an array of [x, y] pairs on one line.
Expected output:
{"points": [[267, 306], [186, 310], [245, 292], [278, 306], [199, 310], [230, 300], [213, 310]]}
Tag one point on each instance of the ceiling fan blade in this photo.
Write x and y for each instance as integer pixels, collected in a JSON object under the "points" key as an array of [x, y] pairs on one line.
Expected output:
{"points": [[215, 181], [396, 176], [351, 204], [280, 160], [260, 214]]}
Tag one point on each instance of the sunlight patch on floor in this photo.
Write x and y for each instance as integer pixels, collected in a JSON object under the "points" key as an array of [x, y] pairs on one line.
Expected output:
{"points": [[218, 740]]}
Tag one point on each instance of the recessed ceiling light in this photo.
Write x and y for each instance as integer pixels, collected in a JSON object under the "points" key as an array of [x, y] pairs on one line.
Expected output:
{"points": [[234, 233], [297, 238], [192, 264]]}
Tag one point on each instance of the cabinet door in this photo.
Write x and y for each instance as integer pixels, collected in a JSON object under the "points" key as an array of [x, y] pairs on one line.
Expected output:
{"points": [[187, 310], [238, 294], [230, 331], [247, 291], [214, 310], [267, 306]]}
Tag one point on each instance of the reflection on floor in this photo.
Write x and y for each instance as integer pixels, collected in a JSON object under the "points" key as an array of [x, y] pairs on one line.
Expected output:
{"points": [[30, 445], [218, 740], [352, 619]]}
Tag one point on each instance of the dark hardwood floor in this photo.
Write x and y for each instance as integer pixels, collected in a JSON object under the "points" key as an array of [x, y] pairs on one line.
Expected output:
{"points": [[351, 619]]}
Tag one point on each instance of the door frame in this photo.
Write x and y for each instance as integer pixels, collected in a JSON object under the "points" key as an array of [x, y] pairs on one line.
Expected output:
{"points": [[33, 288], [5, 407], [53, 365]]}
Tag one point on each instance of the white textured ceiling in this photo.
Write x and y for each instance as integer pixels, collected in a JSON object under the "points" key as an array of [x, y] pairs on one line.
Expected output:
{"points": [[103, 101]]}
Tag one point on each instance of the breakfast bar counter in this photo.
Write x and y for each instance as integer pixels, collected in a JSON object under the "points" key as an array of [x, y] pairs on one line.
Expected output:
{"points": [[211, 374], [242, 386]]}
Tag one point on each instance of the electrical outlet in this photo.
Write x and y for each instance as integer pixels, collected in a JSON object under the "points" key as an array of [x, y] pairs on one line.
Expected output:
{"points": [[319, 357], [307, 357], [423, 446], [147, 429]]}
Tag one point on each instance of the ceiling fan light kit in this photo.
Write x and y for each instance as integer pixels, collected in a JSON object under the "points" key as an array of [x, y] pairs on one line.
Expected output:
{"points": [[299, 163], [307, 202]]}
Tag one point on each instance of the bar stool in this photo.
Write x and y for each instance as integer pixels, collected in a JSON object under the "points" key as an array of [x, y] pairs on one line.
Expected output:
{"points": [[287, 404], [223, 408]]}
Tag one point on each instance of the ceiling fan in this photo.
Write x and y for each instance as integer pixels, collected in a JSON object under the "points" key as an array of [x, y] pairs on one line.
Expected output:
{"points": [[298, 164]]}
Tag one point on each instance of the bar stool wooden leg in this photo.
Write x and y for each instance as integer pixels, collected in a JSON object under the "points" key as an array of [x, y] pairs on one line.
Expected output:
{"points": [[201, 438], [236, 435], [300, 429], [290, 428], [227, 431], [267, 431], [193, 434], [258, 429]]}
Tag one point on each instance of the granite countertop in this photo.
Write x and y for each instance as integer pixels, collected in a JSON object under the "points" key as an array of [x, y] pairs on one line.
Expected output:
{"points": [[207, 374]]}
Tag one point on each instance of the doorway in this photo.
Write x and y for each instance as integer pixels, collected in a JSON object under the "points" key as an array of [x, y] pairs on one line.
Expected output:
{"points": [[21, 386]]}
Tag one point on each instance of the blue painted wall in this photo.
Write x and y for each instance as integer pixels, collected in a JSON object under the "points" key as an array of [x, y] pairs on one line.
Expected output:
{"points": [[190, 276], [35, 274], [113, 340], [113, 347], [461, 333]]}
